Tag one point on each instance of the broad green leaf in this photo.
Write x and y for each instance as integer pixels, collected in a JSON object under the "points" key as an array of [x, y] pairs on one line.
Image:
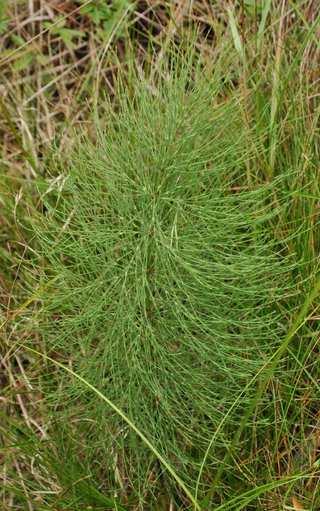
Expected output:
{"points": [[23, 62]]}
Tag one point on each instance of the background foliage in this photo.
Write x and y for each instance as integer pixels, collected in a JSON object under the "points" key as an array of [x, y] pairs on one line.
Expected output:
{"points": [[59, 63]]}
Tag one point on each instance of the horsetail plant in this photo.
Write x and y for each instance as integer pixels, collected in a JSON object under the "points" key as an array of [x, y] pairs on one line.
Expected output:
{"points": [[160, 285]]}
